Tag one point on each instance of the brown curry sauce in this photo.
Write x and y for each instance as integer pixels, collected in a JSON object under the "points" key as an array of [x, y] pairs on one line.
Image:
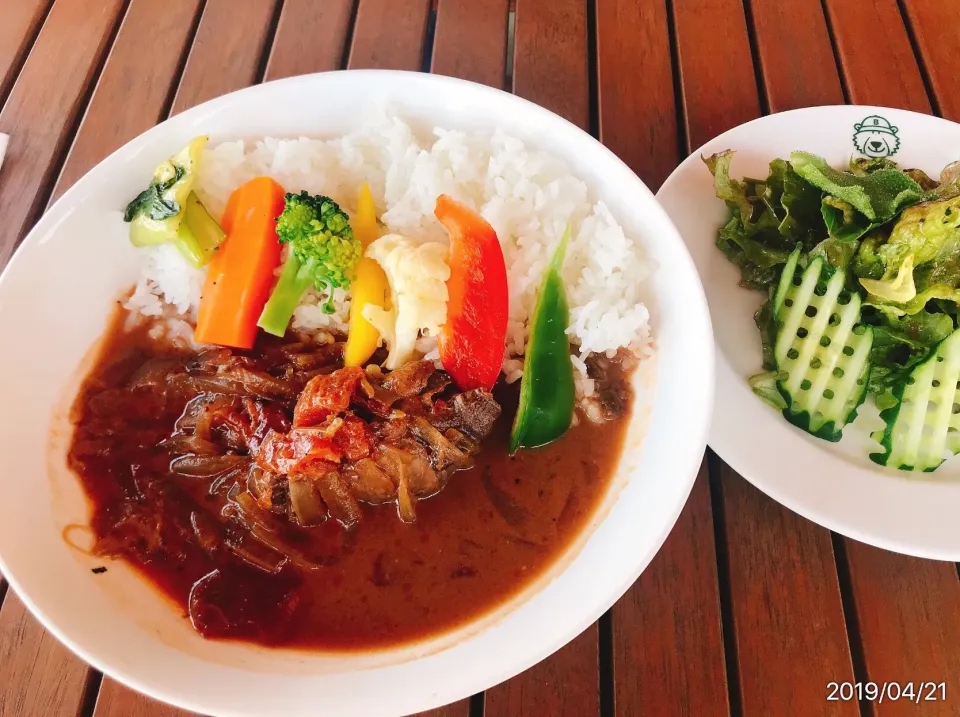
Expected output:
{"points": [[488, 534]]}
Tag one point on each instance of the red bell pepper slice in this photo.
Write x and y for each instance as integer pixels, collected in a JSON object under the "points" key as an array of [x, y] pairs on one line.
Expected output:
{"points": [[472, 341]]}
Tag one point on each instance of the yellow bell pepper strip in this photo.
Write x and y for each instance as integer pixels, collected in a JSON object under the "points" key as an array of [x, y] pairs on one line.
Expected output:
{"points": [[169, 211], [472, 341], [370, 287], [241, 273], [365, 224], [547, 388]]}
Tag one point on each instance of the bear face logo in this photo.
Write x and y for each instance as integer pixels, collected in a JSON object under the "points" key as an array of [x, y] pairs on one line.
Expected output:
{"points": [[875, 137]]}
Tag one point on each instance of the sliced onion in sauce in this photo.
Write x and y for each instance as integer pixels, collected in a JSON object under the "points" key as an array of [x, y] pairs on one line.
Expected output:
{"points": [[194, 466]]}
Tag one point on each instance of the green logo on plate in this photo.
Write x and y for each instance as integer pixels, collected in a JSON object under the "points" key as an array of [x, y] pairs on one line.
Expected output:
{"points": [[875, 137]]}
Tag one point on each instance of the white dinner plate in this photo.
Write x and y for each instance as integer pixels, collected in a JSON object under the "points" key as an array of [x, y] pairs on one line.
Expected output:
{"points": [[833, 484], [55, 297]]}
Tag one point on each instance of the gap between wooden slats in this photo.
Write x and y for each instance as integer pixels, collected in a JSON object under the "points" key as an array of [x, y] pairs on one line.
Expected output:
{"points": [[905, 609]]}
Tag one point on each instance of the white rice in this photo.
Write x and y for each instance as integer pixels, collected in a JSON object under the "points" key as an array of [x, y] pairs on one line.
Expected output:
{"points": [[528, 196]]}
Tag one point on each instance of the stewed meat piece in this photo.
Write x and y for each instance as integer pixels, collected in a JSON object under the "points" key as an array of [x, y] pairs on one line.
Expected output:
{"points": [[410, 379], [473, 412]]}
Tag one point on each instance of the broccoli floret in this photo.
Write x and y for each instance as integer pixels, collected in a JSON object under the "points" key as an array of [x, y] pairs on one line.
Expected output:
{"points": [[323, 254]]}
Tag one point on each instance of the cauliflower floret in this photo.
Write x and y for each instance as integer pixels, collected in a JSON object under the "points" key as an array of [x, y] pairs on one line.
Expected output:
{"points": [[417, 274]]}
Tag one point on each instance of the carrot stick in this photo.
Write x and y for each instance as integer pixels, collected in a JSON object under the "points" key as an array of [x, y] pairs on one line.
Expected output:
{"points": [[241, 274]]}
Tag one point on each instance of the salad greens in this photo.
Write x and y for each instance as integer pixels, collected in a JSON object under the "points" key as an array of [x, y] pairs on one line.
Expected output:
{"points": [[861, 267]]}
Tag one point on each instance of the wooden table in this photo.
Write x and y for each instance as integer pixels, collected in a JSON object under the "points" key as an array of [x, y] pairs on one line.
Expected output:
{"points": [[748, 609]]}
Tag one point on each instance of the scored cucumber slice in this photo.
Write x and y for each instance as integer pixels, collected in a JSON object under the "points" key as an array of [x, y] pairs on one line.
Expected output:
{"points": [[924, 427], [821, 351]]}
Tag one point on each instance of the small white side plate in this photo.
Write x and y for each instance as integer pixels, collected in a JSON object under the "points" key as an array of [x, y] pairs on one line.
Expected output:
{"points": [[833, 484]]}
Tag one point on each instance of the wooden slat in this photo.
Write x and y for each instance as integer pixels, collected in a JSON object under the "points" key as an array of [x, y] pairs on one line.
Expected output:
{"points": [[550, 68], [38, 676], [668, 653], [906, 609], [795, 54], [471, 40], [937, 36], [716, 68], [908, 613], [389, 34], [871, 34], [310, 37], [635, 82], [136, 82], [115, 700], [231, 43], [563, 685], [788, 619], [550, 57], [21, 19], [43, 107]]}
